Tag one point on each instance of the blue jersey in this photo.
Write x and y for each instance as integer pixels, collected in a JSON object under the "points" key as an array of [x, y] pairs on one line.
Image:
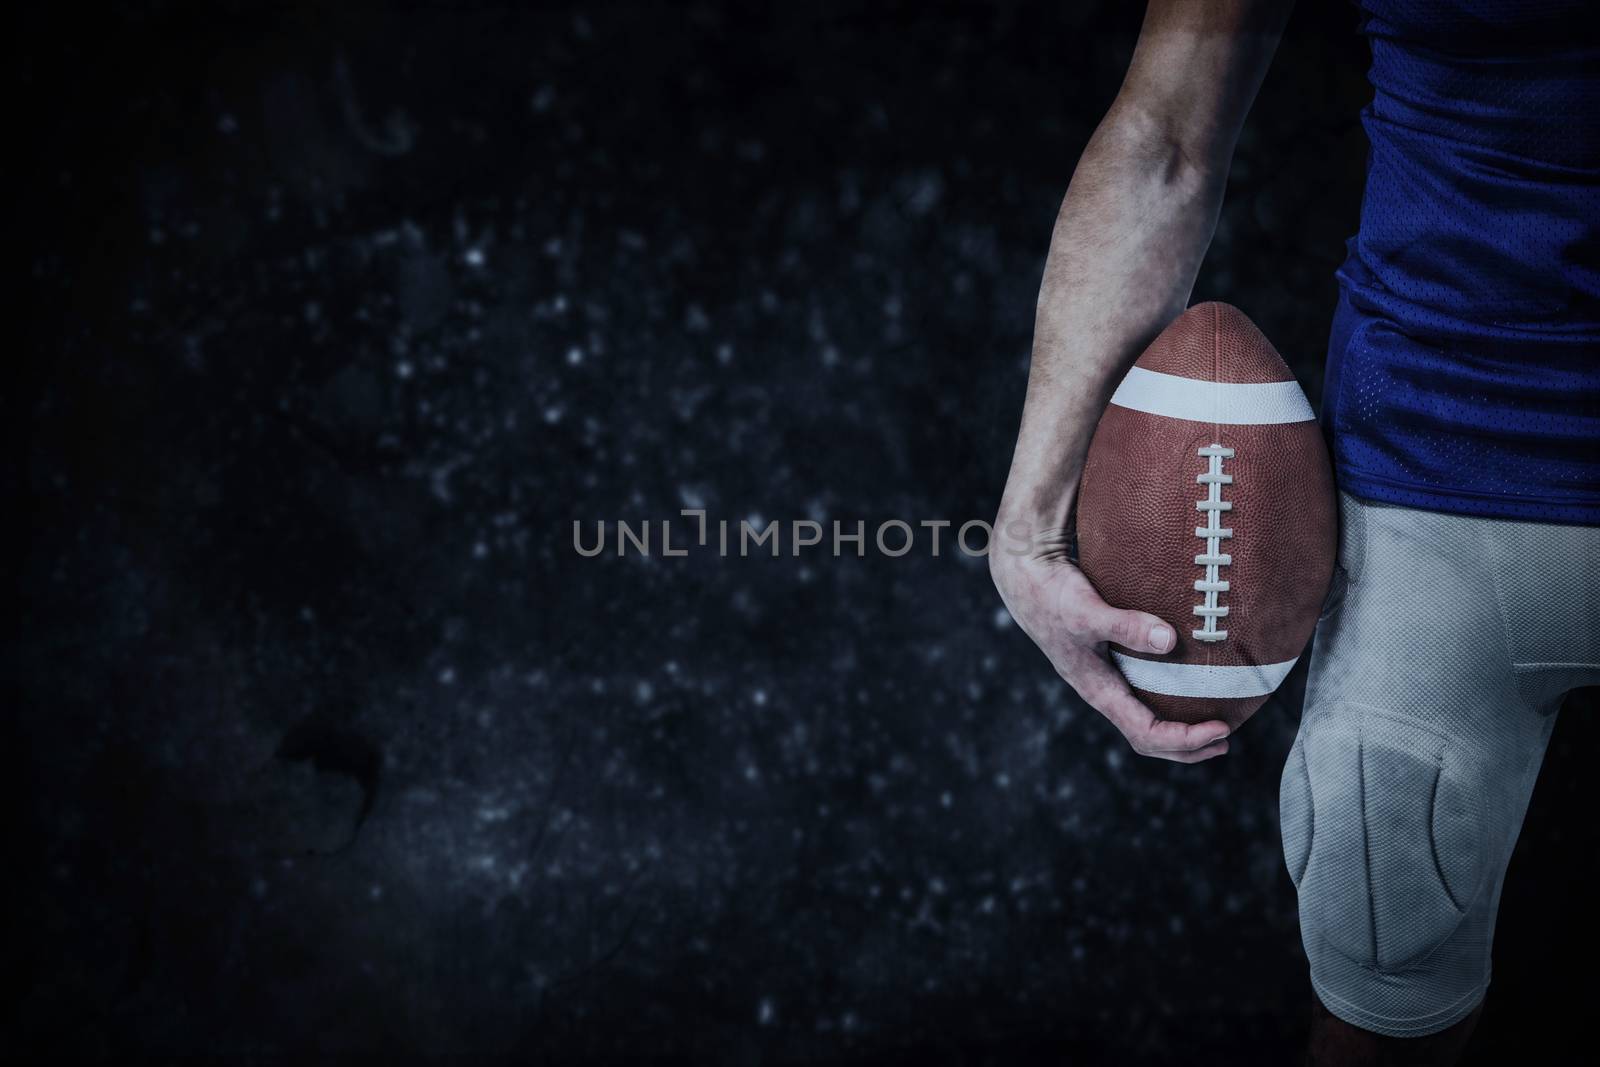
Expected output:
{"points": [[1464, 363]]}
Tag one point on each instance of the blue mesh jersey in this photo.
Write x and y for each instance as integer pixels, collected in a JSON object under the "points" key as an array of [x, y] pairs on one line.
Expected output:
{"points": [[1464, 364]]}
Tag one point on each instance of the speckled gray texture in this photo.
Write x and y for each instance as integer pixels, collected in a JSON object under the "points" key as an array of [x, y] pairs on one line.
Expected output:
{"points": [[1425, 723], [325, 740]]}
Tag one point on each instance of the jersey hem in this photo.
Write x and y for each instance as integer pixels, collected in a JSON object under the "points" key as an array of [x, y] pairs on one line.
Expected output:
{"points": [[1465, 502]]}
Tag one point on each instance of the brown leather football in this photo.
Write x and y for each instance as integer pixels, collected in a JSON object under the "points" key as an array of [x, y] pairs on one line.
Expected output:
{"points": [[1207, 500]]}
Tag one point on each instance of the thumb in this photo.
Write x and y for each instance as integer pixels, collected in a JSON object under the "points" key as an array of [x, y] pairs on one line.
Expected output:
{"points": [[1138, 631]]}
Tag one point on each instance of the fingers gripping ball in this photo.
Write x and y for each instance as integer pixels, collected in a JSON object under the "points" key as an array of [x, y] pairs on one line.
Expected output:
{"points": [[1207, 500]]}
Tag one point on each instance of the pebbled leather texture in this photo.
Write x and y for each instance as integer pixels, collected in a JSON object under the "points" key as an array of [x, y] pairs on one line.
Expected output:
{"points": [[1137, 515]]}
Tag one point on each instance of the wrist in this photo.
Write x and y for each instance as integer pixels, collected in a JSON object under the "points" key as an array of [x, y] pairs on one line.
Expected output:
{"points": [[1040, 506], [1020, 536], [1038, 519], [1043, 482]]}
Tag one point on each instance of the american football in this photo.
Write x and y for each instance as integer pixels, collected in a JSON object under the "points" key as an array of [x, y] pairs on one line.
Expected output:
{"points": [[1207, 500]]}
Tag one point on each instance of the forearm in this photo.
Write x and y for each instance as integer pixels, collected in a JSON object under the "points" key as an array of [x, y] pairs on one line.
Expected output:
{"points": [[1128, 242]]}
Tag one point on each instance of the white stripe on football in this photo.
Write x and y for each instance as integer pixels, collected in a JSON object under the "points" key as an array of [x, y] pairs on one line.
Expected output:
{"points": [[1229, 403], [1201, 679]]}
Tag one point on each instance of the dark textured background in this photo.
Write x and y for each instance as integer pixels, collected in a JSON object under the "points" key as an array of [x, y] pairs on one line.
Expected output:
{"points": [[322, 739]]}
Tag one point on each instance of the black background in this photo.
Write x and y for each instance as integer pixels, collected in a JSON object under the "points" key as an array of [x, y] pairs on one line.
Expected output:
{"points": [[321, 737]]}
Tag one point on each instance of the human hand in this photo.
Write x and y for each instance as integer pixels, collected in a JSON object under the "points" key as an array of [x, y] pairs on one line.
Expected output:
{"points": [[1058, 608]]}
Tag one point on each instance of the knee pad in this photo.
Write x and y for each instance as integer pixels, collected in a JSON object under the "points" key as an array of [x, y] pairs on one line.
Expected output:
{"points": [[1383, 835]]}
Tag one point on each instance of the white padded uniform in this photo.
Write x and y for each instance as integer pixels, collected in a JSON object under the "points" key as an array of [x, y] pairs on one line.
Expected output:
{"points": [[1433, 689]]}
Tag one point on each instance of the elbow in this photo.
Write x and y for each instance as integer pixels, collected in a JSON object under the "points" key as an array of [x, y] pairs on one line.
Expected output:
{"points": [[1170, 149]]}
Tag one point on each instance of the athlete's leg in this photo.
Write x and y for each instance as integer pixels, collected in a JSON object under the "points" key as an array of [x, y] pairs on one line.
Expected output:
{"points": [[1433, 691], [1336, 1043]]}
